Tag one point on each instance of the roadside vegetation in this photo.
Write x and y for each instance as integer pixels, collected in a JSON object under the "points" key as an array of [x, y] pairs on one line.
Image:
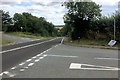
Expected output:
{"points": [[5, 41], [27, 23], [27, 35], [85, 24], [91, 42]]}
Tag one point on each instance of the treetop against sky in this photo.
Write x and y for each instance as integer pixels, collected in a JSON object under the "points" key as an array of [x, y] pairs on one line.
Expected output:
{"points": [[50, 9]]}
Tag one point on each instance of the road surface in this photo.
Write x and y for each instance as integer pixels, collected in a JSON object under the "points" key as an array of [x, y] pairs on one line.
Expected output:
{"points": [[54, 60], [17, 39]]}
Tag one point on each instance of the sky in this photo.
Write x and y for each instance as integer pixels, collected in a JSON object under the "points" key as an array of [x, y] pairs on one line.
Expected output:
{"points": [[50, 9]]}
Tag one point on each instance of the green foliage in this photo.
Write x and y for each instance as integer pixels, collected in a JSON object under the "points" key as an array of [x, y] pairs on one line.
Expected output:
{"points": [[6, 20], [85, 21], [29, 23], [79, 17]]}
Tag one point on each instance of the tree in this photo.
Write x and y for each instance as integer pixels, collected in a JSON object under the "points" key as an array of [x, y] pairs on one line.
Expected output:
{"points": [[6, 20], [79, 17]]}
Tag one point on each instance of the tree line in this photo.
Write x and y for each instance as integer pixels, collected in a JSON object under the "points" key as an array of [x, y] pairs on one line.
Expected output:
{"points": [[84, 20], [26, 22]]}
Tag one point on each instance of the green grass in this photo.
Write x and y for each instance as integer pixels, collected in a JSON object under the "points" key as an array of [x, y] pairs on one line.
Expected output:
{"points": [[5, 41], [27, 35], [92, 42]]}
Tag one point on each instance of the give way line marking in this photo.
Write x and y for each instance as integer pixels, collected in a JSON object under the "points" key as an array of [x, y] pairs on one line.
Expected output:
{"points": [[92, 67]]}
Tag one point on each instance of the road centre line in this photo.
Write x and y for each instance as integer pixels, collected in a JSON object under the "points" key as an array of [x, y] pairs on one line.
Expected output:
{"points": [[30, 64], [108, 58], [63, 56], [26, 46]]}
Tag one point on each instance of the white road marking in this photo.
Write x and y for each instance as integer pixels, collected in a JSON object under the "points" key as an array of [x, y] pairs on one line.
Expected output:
{"points": [[41, 57], [1, 74], [102, 68], [26, 46], [62, 40], [5, 72], [44, 55], [13, 68], [63, 56], [26, 67], [75, 66], [22, 64], [108, 58], [31, 64], [37, 60], [28, 60], [34, 57], [22, 70]]}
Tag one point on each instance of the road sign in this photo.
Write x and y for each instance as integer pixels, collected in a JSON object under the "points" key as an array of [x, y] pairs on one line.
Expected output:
{"points": [[78, 66], [112, 42]]}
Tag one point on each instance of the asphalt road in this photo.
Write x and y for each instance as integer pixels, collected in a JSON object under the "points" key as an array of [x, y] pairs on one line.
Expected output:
{"points": [[54, 60], [17, 39], [14, 54]]}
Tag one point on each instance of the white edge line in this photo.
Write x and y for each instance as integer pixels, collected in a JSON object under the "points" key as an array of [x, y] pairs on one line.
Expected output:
{"points": [[26, 46]]}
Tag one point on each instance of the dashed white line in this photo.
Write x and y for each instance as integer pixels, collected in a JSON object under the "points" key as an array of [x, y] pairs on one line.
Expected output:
{"points": [[44, 55], [39, 55], [13, 68], [41, 58], [5, 72], [37, 60], [31, 64], [28, 60], [22, 70], [26, 67], [1, 74], [22, 64], [34, 57]]}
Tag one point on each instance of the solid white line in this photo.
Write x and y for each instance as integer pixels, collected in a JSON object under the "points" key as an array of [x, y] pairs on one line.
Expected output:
{"points": [[63, 56], [62, 40], [26, 46], [108, 58]]}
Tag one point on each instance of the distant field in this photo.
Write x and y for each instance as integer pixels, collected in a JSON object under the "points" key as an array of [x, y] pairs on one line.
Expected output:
{"points": [[27, 35], [5, 41]]}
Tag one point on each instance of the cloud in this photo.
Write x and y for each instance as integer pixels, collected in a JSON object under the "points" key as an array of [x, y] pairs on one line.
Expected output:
{"points": [[50, 9]]}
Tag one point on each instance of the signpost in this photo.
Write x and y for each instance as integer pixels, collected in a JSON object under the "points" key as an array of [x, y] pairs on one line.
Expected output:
{"points": [[112, 43]]}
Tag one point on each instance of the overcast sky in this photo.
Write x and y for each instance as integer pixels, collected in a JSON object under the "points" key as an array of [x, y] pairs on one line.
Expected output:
{"points": [[50, 9]]}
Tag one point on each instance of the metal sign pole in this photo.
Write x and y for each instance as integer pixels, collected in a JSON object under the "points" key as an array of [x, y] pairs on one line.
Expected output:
{"points": [[114, 29]]}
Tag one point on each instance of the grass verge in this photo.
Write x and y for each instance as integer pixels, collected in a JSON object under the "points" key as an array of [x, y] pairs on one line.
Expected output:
{"points": [[27, 35], [5, 41], [92, 42]]}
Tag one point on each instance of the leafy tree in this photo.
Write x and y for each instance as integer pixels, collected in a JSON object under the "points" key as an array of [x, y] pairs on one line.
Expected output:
{"points": [[6, 20], [79, 17]]}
